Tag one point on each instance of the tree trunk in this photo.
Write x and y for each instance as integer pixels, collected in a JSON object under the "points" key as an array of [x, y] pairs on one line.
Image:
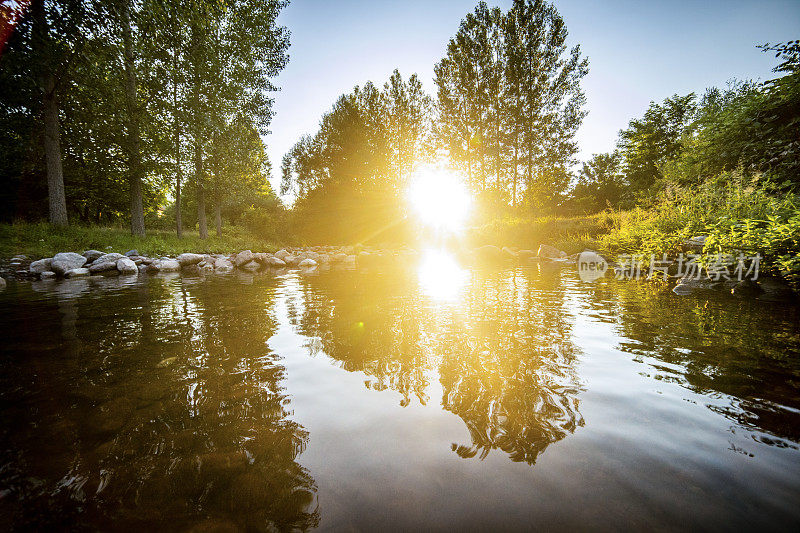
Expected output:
{"points": [[218, 218], [52, 136], [201, 194], [178, 166], [52, 148], [136, 173]]}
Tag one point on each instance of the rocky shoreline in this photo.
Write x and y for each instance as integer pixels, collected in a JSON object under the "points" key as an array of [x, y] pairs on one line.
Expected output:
{"points": [[70, 265]]}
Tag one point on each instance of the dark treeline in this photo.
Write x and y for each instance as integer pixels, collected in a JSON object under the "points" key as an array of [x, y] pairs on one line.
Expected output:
{"points": [[112, 109]]}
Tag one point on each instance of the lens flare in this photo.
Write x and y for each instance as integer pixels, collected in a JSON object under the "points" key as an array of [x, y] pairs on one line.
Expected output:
{"points": [[440, 275], [440, 198]]}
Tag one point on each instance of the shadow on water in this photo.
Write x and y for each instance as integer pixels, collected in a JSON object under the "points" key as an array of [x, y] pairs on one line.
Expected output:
{"points": [[156, 405]]}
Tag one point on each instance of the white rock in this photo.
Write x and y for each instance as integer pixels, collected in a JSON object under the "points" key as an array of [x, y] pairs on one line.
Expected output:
{"points": [[282, 254], [108, 258], [308, 263], [275, 262], [168, 265], [76, 273], [102, 266], [223, 265], [65, 261], [42, 265], [47, 274], [250, 266], [126, 266], [189, 259]]}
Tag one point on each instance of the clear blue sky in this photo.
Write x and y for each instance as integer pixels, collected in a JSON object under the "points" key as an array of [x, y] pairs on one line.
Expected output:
{"points": [[638, 51]]}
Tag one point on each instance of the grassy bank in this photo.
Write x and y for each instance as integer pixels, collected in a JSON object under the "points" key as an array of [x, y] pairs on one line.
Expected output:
{"points": [[43, 240], [736, 216]]}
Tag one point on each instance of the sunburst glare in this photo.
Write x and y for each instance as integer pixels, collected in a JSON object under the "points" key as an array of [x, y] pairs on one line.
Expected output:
{"points": [[440, 275], [440, 198]]}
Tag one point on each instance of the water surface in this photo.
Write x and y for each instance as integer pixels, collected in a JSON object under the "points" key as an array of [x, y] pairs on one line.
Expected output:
{"points": [[418, 397]]}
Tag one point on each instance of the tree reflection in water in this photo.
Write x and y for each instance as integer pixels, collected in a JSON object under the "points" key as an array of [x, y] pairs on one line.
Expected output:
{"points": [[502, 350], [167, 411]]}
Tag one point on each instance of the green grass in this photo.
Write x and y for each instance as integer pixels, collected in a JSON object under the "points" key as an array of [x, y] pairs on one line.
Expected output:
{"points": [[43, 240]]}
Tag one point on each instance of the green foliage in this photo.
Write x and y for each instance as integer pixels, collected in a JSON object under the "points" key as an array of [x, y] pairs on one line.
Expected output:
{"points": [[571, 234]]}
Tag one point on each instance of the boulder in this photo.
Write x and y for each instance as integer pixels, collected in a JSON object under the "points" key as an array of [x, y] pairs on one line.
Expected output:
{"points": [[65, 261], [131, 253], [282, 254], [168, 265], [47, 274], [242, 258], [108, 258], [223, 265], [250, 266], [276, 263], [189, 259], [190, 270], [142, 268], [126, 266], [91, 255], [98, 267], [290, 260], [42, 265], [308, 263], [76, 273], [687, 286], [550, 252], [205, 267]]}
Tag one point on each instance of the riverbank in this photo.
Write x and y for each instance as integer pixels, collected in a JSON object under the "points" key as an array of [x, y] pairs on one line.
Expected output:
{"points": [[43, 240]]}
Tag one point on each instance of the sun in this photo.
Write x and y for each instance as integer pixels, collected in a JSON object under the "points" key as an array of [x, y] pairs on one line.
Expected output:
{"points": [[440, 198]]}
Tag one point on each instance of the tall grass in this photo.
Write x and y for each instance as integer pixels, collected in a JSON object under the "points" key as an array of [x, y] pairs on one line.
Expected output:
{"points": [[44, 240]]}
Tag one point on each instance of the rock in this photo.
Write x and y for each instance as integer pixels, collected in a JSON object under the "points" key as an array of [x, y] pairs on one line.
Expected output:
{"points": [[775, 289], [550, 252], [142, 268], [76, 273], [308, 263], [745, 288], [131, 253], [190, 270], [108, 258], [20, 258], [282, 254], [250, 266], [205, 267], [189, 259], [510, 252], [168, 265], [126, 266], [47, 274], [98, 267], [687, 286], [2, 283], [291, 260], [276, 263], [42, 265], [242, 258], [91, 255], [223, 265], [66, 261]]}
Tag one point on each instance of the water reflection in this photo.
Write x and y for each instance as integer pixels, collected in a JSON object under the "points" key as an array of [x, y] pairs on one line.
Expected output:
{"points": [[440, 275], [158, 403], [169, 413]]}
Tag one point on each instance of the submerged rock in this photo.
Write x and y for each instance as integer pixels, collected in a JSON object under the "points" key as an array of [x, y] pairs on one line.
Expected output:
{"points": [[308, 263], [47, 274]]}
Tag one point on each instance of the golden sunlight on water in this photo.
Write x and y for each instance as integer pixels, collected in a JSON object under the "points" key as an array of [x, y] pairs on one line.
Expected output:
{"points": [[440, 198], [440, 275]]}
